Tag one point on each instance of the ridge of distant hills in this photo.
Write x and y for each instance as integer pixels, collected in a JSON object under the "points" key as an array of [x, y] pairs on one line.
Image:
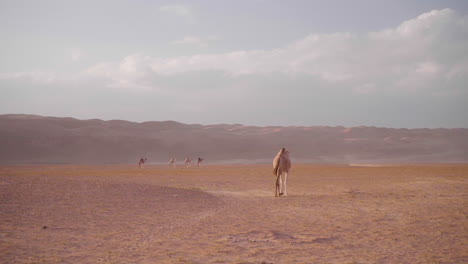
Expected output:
{"points": [[40, 139]]}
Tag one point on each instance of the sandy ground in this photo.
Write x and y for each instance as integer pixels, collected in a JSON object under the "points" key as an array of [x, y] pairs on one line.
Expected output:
{"points": [[227, 214]]}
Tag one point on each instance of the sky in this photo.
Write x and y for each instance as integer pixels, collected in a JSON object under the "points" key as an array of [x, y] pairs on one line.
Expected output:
{"points": [[399, 63]]}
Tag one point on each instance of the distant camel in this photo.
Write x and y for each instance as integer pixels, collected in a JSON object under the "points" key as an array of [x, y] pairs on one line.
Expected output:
{"points": [[199, 161], [172, 162], [188, 162], [281, 167], [141, 162]]}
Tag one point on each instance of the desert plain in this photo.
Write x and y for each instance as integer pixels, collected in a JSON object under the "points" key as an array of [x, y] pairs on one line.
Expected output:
{"points": [[364, 213]]}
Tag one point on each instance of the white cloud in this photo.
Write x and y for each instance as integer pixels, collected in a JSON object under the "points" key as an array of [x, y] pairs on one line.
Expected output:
{"points": [[189, 40], [424, 53], [178, 10], [32, 76], [75, 54], [131, 73], [411, 56], [428, 68], [195, 41]]}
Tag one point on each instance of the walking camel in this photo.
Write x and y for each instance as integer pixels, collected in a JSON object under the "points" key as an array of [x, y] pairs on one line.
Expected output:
{"points": [[172, 162], [199, 161], [188, 162], [141, 162], [281, 167]]}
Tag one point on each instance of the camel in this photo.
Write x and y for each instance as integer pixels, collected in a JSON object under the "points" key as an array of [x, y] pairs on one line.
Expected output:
{"points": [[281, 167], [172, 162], [199, 161], [188, 162], [141, 162]]}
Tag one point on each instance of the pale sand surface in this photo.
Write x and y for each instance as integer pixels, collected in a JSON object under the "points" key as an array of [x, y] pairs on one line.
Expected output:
{"points": [[227, 214]]}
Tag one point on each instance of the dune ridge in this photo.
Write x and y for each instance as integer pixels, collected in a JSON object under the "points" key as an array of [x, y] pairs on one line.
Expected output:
{"points": [[39, 139]]}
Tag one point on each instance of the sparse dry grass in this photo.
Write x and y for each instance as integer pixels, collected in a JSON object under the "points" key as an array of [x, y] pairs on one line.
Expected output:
{"points": [[227, 214]]}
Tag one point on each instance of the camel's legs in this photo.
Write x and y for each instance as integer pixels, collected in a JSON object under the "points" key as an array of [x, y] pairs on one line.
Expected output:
{"points": [[281, 189], [280, 183], [285, 189], [277, 186]]}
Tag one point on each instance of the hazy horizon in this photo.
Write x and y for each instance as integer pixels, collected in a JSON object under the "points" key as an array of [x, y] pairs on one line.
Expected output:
{"points": [[398, 64], [35, 139], [228, 124]]}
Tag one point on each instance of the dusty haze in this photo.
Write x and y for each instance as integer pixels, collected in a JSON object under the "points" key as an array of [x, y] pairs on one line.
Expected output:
{"points": [[38, 139]]}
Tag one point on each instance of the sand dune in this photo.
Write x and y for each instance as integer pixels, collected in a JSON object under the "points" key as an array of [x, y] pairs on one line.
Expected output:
{"points": [[52, 140], [227, 214]]}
